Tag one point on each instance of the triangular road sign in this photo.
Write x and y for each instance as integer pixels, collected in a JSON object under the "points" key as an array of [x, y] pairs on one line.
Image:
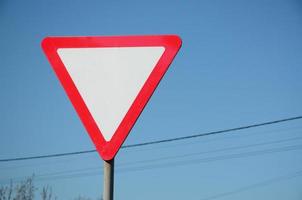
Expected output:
{"points": [[109, 80]]}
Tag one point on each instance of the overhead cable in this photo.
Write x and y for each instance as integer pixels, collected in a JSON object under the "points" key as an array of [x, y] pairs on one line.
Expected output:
{"points": [[157, 141]]}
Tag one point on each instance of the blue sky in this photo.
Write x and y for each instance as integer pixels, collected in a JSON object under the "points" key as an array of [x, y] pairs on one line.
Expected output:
{"points": [[240, 64]]}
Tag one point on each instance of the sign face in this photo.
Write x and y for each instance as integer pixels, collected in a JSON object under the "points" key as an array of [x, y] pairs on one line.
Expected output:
{"points": [[109, 80]]}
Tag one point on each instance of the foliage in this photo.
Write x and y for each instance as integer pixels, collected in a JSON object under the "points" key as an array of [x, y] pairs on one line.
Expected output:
{"points": [[22, 191], [26, 190]]}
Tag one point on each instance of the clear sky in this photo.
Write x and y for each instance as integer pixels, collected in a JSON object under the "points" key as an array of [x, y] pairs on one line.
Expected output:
{"points": [[240, 64]]}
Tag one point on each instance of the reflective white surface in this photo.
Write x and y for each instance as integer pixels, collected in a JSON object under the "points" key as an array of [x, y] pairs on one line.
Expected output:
{"points": [[109, 79]]}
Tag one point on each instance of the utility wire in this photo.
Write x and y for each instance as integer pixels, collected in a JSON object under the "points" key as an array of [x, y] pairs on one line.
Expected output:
{"points": [[156, 141], [93, 171], [181, 156], [172, 145], [166, 158], [211, 151], [256, 185], [213, 132], [211, 159]]}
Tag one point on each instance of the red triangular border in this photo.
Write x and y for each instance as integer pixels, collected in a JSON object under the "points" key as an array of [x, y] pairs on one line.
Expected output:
{"points": [[108, 150]]}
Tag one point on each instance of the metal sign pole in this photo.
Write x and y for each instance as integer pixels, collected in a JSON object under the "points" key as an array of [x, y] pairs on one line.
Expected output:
{"points": [[108, 179]]}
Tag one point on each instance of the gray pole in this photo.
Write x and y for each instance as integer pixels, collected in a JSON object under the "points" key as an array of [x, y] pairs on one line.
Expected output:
{"points": [[108, 179]]}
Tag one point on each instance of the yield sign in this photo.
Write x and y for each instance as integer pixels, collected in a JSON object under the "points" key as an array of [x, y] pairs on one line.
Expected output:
{"points": [[109, 80]]}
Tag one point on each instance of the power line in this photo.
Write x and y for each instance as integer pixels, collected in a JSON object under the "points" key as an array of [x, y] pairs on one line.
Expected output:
{"points": [[166, 158], [191, 142], [213, 132], [212, 159], [285, 130], [92, 171], [47, 156], [257, 185], [157, 141], [212, 151]]}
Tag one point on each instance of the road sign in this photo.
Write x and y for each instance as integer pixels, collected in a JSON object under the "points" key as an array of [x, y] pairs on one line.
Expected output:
{"points": [[109, 80]]}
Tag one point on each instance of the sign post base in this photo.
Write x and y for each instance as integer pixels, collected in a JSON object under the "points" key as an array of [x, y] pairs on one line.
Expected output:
{"points": [[108, 179]]}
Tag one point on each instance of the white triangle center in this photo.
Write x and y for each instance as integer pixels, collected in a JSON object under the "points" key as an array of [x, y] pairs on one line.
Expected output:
{"points": [[109, 79]]}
